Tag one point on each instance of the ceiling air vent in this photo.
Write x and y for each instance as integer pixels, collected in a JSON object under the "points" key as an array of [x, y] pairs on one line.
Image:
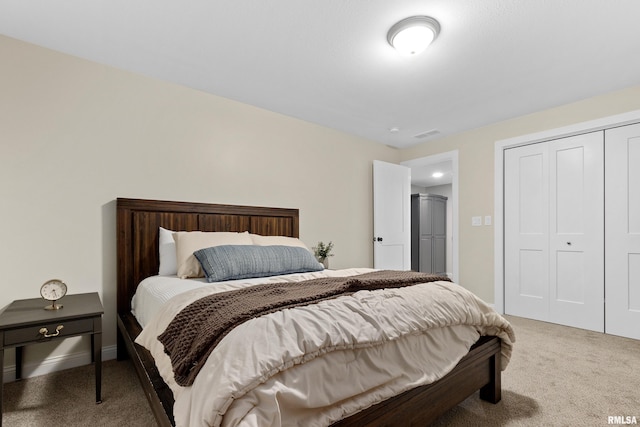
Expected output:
{"points": [[427, 134]]}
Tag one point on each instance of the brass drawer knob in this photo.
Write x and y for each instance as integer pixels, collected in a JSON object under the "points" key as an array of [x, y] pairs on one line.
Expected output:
{"points": [[46, 334]]}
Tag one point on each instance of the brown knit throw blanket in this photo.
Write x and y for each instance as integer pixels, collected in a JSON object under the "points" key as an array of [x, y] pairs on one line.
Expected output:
{"points": [[199, 327]]}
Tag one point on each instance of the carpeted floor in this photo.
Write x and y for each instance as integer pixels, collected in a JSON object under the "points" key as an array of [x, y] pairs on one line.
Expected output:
{"points": [[558, 376], [67, 398]]}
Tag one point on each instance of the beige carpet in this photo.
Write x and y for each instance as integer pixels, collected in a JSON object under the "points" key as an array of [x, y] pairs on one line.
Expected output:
{"points": [[67, 398], [558, 376]]}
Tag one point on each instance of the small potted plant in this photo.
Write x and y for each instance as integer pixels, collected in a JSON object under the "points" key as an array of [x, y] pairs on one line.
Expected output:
{"points": [[323, 252]]}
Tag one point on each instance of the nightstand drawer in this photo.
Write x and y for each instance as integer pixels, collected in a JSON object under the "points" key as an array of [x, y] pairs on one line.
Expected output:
{"points": [[31, 334]]}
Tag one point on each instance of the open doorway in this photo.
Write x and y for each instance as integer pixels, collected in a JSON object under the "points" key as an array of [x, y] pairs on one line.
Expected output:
{"points": [[423, 181]]}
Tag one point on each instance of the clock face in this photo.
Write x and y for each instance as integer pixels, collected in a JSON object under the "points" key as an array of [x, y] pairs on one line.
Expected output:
{"points": [[53, 290]]}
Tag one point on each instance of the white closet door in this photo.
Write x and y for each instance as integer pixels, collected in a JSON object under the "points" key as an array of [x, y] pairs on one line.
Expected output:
{"points": [[622, 156], [576, 231], [554, 231], [526, 234]]}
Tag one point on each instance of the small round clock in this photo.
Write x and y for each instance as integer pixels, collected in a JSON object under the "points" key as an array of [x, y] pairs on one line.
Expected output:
{"points": [[52, 290]]}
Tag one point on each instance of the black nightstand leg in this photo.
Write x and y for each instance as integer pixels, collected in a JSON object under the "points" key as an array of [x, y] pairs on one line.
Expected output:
{"points": [[18, 363], [96, 346]]}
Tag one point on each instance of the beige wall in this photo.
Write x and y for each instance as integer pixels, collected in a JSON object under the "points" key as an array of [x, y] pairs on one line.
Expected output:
{"points": [[476, 174], [75, 135]]}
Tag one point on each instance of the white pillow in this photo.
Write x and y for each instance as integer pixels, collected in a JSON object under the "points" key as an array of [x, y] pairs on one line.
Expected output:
{"points": [[167, 252], [259, 240], [189, 242]]}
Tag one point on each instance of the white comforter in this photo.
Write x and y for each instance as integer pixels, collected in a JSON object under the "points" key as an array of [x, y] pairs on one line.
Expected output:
{"points": [[314, 365]]}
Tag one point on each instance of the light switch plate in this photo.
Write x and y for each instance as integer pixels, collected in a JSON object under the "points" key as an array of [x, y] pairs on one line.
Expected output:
{"points": [[476, 221], [487, 220]]}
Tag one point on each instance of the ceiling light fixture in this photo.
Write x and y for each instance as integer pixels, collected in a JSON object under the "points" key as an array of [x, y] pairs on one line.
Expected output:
{"points": [[414, 34], [437, 175]]}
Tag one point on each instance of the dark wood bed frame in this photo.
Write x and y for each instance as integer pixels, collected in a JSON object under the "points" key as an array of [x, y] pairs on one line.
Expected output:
{"points": [[137, 258]]}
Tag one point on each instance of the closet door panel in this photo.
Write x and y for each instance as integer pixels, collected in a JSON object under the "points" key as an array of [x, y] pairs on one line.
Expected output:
{"points": [[527, 231], [622, 242], [569, 189], [531, 280], [576, 238], [439, 212], [439, 256], [426, 217], [426, 255], [569, 277]]}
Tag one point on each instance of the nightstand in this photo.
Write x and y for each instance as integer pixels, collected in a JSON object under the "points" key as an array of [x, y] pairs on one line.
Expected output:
{"points": [[25, 322]]}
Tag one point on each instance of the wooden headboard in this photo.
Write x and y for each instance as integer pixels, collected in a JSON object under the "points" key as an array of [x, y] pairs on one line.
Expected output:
{"points": [[138, 221]]}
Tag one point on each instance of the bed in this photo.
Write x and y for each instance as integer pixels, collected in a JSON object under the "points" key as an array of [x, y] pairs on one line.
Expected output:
{"points": [[138, 222]]}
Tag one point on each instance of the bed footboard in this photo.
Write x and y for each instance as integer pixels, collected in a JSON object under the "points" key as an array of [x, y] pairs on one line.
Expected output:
{"points": [[478, 370]]}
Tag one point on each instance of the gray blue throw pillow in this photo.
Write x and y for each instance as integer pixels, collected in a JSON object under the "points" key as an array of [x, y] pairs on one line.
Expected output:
{"points": [[231, 262]]}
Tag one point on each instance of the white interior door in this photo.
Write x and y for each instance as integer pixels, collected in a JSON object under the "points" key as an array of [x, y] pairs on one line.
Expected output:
{"points": [[576, 238], [622, 244], [554, 231], [526, 231], [391, 216]]}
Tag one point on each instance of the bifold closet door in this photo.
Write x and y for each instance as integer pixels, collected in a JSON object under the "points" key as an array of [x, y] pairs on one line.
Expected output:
{"points": [[576, 238], [622, 247], [554, 231], [526, 231]]}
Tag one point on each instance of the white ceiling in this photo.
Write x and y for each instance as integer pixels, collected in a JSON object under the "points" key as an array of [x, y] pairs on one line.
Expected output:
{"points": [[422, 175], [328, 61]]}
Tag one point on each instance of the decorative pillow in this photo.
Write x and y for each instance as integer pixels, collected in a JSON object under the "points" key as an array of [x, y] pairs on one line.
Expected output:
{"points": [[167, 252], [230, 262], [189, 242], [260, 240]]}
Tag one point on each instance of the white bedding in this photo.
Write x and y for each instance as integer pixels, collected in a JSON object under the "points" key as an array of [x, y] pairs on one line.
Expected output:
{"points": [[285, 368]]}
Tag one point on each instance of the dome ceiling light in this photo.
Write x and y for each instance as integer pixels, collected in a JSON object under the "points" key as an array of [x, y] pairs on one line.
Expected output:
{"points": [[414, 34]]}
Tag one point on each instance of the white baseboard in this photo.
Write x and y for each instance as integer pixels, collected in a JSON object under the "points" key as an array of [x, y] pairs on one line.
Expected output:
{"points": [[57, 363]]}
